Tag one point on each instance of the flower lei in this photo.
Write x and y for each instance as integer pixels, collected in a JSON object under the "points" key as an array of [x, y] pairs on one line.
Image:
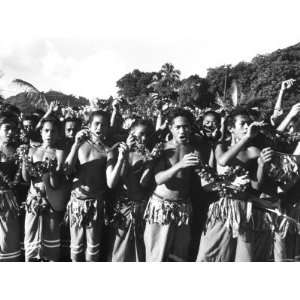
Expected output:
{"points": [[223, 183], [37, 169], [141, 148], [40, 168], [16, 158]]}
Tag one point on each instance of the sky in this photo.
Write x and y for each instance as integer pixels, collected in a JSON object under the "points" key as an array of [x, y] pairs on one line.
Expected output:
{"points": [[84, 47]]}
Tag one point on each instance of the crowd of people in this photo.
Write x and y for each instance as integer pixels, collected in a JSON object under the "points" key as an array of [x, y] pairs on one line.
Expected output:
{"points": [[96, 186]]}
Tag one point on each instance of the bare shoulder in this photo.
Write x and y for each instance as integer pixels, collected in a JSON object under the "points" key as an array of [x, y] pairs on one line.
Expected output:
{"points": [[84, 148], [33, 151], [168, 145], [221, 148], [253, 151]]}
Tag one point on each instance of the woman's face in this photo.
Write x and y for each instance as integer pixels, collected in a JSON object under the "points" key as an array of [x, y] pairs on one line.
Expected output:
{"points": [[7, 131], [49, 133], [240, 128], [99, 126], [140, 132]]}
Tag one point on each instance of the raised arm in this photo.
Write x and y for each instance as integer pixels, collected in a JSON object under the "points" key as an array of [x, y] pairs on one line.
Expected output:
{"points": [[265, 156], [292, 113], [25, 174], [225, 157], [278, 105], [113, 170], [163, 176], [50, 110], [115, 110], [160, 125], [72, 158]]}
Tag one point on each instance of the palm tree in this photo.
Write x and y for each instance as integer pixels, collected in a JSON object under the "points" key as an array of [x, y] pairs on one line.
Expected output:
{"points": [[166, 83], [168, 72], [32, 93]]}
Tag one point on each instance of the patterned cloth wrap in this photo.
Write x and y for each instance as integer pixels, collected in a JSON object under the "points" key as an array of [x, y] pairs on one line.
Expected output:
{"points": [[126, 211], [81, 210], [263, 220], [36, 202], [8, 204], [293, 212], [164, 211]]}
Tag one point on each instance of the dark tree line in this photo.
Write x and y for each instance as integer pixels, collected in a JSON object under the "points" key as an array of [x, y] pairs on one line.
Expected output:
{"points": [[260, 78]]}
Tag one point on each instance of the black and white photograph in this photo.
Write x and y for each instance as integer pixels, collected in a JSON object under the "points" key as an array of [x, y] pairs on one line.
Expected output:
{"points": [[149, 131]]}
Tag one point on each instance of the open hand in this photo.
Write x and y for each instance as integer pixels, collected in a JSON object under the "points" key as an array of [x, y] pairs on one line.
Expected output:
{"points": [[189, 160], [287, 84]]}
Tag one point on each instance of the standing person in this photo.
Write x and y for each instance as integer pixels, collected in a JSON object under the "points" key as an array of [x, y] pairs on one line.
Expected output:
{"points": [[85, 210], [42, 222], [228, 235], [10, 248], [167, 232], [205, 141], [71, 127], [130, 174], [29, 135]]}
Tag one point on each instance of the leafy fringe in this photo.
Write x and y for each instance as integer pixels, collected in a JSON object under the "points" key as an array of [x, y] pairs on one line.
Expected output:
{"points": [[165, 212], [126, 211], [82, 212], [237, 215], [232, 212]]}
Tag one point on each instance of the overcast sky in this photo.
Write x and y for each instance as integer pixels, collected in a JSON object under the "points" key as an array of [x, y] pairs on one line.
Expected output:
{"points": [[84, 47]]}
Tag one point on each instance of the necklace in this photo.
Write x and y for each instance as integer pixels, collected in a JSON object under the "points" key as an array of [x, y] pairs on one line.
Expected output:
{"points": [[97, 145]]}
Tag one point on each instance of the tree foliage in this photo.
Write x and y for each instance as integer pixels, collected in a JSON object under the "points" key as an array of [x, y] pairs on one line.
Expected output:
{"points": [[195, 91], [134, 84], [261, 78]]}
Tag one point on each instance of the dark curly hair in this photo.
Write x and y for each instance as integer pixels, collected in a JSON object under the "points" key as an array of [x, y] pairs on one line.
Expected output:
{"points": [[213, 113], [100, 113], [144, 122], [180, 112]]}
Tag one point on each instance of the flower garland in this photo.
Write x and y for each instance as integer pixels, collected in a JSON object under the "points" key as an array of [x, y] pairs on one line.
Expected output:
{"points": [[148, 155], [34, 169], [5, 181], [223, 183], [40, 168]]}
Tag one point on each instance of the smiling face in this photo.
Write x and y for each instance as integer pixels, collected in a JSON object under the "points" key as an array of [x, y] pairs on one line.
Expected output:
{"points": [[7, 131], [49, 133], [99, 126], [210, 123], [181, 130], [240, 127]]}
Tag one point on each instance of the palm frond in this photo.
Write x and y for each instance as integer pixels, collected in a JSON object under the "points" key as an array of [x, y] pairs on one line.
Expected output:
{"points": [[37, 97], [25, 86], [255, 102]]}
